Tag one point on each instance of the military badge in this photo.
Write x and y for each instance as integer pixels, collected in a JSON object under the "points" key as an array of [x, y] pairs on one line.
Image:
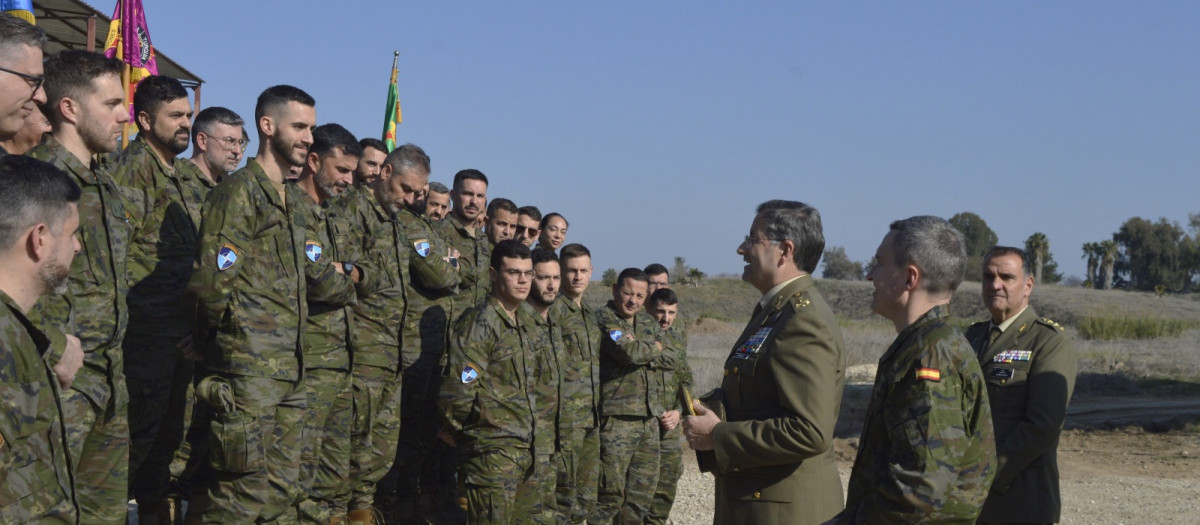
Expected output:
{"points": [[422, 247], [470, 373], [929, 374], [753, 344], [1009, 356], [312, 250], [1000, 373], [226, 256], [615, 335]]}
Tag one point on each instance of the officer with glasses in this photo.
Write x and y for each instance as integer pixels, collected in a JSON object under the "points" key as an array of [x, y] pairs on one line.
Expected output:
{"points": [[21, 82]]}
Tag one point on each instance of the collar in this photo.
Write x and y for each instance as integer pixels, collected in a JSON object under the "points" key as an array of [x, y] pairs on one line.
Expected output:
{"points": [[1008, 322], [765, 302]]}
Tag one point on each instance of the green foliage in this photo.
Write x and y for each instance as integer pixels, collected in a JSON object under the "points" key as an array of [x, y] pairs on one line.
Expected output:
{"points": [[837, 265], [1152, 253], [609, 278], [1110, 328], [1045, 268], [977, 236]]}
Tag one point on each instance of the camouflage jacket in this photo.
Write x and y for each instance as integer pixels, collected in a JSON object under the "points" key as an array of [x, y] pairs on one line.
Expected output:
{"points": [[250, 279], [474, 258], [329, 294], [166, 201], [380, 312], [488, 398], [93, 309], [433, 281], [35, 473], [579, 364], [627, 348], [547, 346], [927, 452], [671, 369]]}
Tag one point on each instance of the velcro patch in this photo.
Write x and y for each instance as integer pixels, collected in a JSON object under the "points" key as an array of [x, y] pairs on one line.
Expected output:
{"points": [[615, 335], [227, 256], [313, 250], [470, 373], [422, 247], [929, 374], [1009, 356]]}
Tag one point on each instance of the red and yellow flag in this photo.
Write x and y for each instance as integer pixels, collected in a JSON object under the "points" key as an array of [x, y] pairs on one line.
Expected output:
{"points": [[391, 115], [129, 41], [22, 9]]}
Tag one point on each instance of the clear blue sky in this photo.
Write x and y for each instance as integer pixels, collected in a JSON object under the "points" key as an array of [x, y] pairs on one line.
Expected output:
{"points": [[656, 127]]}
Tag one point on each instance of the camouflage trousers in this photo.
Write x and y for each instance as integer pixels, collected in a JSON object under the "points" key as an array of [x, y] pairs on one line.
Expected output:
{"points": [[419, 423], [374, 432], [497, 485], [325, 444], [670, 468], [538, 492], [159, 411], [628, 469], [255, 429], [98, 438], [578, 473]]}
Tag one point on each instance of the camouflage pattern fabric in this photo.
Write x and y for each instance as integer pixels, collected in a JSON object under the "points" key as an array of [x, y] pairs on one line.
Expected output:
{"points": [[547, 347], [35, 473], [324, 443], [474, 257], [627, 348], [94, 310], [578, 473], [379, 314], [374, 431], [670, 370], [492, 480], [628, 469], [579, 442], [927, 452]]}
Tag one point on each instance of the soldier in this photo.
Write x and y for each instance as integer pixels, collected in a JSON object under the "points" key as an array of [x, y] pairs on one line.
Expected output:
{"points": [[927, 452], [488, 402], [579, 397], [553, 232], [547, 348], [1029, 365], [38, 219], [672, 372], [501, 220], [325, 458], [470, 197], [217, 142], [629, 438], [86, 109], [30, 135], [21, 84], [166, 194], [249, 276], [374, 152], [773, 452], [437, 201], [659, 277], [528, 225]]}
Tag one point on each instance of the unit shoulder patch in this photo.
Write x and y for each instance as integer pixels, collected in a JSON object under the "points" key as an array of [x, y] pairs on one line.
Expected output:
{"points": [[227, 256], [313, 250], [470, 373]]}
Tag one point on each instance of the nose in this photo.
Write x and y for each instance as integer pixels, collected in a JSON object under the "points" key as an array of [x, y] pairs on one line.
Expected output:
{"points": [[39, 95]]}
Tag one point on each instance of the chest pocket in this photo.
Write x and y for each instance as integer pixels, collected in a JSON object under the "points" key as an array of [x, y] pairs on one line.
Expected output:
{"points": [[274, 238]]}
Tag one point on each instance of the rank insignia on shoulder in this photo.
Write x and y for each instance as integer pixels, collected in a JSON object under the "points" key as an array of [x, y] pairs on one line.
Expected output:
{"points": [[421, 246], [1009, 356], [226, 256], [929, 374], [470, 373], [615, 335], [312, 250], [1051, 323]]}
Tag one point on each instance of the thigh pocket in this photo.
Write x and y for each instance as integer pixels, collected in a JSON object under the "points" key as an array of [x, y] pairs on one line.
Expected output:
{"points": [[237, 443]]}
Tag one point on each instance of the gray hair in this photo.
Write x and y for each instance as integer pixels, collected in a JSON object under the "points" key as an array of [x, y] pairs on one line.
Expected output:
{"points": [[408, 158], [438, 188], [797, 222], [215, 115], [935, 247], [16, 31]]}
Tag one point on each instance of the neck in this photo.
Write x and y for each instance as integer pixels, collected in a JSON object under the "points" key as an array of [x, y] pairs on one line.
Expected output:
{"points": [[919, 304], [307, 183], [16, 283], [509, 307], [542, 309], [72, 142], [206, 170], [577, 299], [275, 167], [159, 150], [467, 223]]}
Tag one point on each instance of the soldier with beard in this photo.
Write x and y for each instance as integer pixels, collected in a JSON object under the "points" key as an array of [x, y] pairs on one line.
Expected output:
{"points": [[374, 153], [470, 198], [217, 142], [437, 201], [547, 349]]}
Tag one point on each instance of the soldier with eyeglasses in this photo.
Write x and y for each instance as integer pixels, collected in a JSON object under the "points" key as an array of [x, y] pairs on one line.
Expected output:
{"points": [[21, 82], [218, 143]]}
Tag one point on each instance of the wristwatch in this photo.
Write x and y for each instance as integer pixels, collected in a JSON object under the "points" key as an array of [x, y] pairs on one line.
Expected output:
{"points": [[348, 268]]}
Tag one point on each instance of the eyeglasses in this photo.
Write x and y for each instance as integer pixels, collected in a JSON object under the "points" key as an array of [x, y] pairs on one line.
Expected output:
{"points": [[34, 82], [750, 239], [515, 273], [521, 230], [230, 142]]}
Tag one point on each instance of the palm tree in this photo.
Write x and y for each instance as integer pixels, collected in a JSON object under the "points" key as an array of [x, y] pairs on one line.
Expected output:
{"points": [[1038, 246], [1090, 251], [695, 276], [1108, 261]]}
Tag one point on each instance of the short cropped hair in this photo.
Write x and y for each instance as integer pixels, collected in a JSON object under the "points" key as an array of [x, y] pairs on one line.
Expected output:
{"points": [[17, 32], [532, 212], [655, 269], [154, 91], [500, 203], [276, 96], [797, 222], [70, 74], [329, 137], [633, 274], [32, 192], [997, 251], [542, 223], [371, 142], [572, 251], [207, 117], [407, 158], [468, 174], [663, 296], [508, 248], [438, 188], [541, 256], [935, 247]]}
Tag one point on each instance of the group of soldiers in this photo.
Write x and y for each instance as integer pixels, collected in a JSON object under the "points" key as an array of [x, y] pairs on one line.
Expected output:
{"points": [[321, 336]]}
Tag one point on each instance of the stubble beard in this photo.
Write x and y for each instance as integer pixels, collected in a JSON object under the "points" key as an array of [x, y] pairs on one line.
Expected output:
{"points": [[54, 276]]}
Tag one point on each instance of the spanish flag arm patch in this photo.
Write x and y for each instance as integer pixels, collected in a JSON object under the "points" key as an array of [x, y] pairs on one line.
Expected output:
{"points": [[929, 374]]}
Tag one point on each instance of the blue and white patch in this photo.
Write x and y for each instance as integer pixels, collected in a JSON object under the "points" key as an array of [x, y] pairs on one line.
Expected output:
{"points": [[421, 246], [615, 335], [312, 250], [226, 256], [470, 373], [753, 344]]}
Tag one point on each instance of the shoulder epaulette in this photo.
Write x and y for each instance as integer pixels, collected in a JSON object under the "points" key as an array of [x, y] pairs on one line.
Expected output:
{"points": [[800, 300], [1049, 322], [978, 323]]}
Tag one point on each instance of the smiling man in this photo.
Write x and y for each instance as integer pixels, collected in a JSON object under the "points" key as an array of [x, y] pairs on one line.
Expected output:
{"points": [[20, 74], [469, 196], [1029, 365]]}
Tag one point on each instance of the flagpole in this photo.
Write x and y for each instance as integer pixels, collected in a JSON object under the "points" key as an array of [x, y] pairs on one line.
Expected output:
{"points": [[125, 88], [395, 65]]}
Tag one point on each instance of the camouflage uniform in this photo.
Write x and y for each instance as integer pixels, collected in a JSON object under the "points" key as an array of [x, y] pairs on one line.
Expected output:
{"points": [[630, 404], [578, 439], [670, 371], [927, 452], [325, 452], [93, 309], [547, 347], [474, 257], [250, 281], [167, 199], [35, 473], [488, 403]]}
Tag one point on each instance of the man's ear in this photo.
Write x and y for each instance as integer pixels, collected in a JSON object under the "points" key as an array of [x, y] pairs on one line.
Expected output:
{"points": [[68, 110], [385, 171], [37, 241], [313, 161], [143, 120], [266, 124], [912, 277], [788, 251]]}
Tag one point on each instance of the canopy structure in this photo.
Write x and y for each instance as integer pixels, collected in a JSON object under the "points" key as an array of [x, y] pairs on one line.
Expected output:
{"points": [[73, 24]]}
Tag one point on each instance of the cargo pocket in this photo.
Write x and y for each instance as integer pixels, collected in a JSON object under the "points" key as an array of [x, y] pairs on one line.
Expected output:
{"points": [[237, 443], [24, 432]]}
